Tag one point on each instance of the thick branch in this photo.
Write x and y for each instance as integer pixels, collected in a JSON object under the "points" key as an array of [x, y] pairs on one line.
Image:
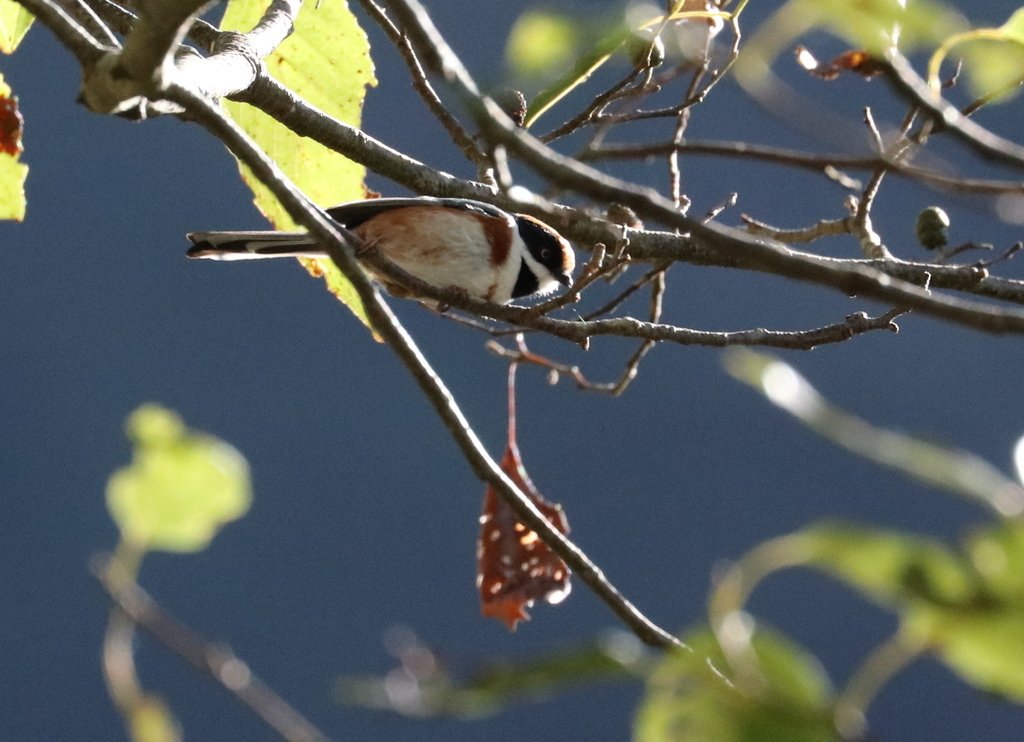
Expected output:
{"points": [[67, 30], [990, 146]]}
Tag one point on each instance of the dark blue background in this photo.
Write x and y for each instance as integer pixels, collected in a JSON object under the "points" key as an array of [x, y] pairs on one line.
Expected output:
{"points": [[365, 515]]}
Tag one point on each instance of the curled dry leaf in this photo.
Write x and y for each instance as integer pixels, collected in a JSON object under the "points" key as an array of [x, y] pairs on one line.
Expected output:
{"points": [[854, 60], [514, 566]]}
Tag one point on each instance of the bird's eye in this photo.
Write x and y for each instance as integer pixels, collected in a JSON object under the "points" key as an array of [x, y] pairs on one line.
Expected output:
{"points": [[545, 253]]}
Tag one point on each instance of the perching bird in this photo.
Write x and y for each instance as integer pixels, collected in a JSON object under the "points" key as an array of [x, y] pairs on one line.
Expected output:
{"points": [[446, 242]]}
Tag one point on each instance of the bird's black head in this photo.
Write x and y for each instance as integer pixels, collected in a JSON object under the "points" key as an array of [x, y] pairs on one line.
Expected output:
{"points": [[551, 254]]}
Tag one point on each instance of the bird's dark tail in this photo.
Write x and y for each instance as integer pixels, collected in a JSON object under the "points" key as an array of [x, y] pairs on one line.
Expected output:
{"points": [[251, 245]]}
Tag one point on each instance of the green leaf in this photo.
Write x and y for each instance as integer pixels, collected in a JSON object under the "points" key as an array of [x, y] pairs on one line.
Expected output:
{"points": [[684, 701], [984, 646], [12, 188], [12, 172], [14, 24], [997, 555], [181, 486], [892, 568], [968, 610], [326, 61]]}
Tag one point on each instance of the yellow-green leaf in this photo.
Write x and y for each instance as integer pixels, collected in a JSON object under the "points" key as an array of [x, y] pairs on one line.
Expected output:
{"points": [[541, 42], [14, 24], [150, 720], [326, 61], [12, 172], [994, 68], [997, 554], [181, 486], [1013, 29], [12, 188]]}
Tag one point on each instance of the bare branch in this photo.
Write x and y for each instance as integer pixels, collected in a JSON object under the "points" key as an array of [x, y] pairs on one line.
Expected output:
{"points": [[753, 254], [825, 163], [339, 246], [824, 228]]}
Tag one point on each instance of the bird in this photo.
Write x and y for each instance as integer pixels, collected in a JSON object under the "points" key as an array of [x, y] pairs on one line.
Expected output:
{"points": [[456, 243]]}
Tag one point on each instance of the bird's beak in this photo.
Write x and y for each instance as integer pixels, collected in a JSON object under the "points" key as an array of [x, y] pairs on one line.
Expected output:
{"points": [[565, 279]]}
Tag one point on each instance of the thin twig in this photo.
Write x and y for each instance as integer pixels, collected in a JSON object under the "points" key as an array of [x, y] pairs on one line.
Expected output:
{"points": [[455, 130], [824, 162], [215, 660], [884, 661], [581, 331], [824, 228], [756, 254], [653, 246]]}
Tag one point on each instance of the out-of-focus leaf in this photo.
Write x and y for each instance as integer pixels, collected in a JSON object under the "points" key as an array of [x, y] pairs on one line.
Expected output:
{"points": [[993, 58], [1013, 29], [684, 701], [892, 568], [954, 470], [870, 25], [181, 486], [12, 172], [998, 556], [994, 67], [326, 61], [967, 609], [567, 50], [422, 686], [542, 41], [984, 646], [14, 24], [151, 720]]}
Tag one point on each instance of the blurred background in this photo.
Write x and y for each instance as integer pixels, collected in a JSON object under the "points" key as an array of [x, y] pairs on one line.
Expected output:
{"points": [[365, 515]]}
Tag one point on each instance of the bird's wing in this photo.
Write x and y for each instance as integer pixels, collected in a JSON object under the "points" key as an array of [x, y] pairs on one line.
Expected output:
{"points": [[354, 213]]}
